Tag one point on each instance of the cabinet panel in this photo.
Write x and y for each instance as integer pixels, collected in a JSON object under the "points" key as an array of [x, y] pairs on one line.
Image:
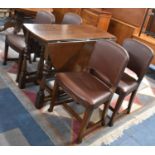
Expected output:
{"points": [[95, 17], [89, 17]]}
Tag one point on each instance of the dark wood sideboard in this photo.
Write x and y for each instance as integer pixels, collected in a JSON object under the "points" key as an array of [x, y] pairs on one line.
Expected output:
{"points": [[97, 17]]}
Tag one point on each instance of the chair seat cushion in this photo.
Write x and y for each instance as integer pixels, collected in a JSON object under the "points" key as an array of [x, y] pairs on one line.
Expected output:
{"points": [[126, 85], [84, 88], [17, 42]]}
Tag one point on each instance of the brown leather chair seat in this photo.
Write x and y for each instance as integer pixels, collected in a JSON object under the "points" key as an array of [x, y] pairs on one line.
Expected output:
{"points": [[127, 84], [17, 42], [84, 88]]}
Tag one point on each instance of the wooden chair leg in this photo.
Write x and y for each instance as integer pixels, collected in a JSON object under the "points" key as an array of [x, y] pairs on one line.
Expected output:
{"points": [[104, 113], [19, 66], [84, 124], [22, 77], [54, 96], [29, 58], [5, 53], [39, 102], [131, 101], [117, 107]]}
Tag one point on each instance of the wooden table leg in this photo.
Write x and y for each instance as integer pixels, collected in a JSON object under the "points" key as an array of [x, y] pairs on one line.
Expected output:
{"points": [[41, 64], [22, 76], [39, 102]]}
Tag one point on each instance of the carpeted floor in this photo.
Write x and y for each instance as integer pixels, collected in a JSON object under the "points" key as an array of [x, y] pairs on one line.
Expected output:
{"points": [[13, 116], [138, 135], [39, 127]]}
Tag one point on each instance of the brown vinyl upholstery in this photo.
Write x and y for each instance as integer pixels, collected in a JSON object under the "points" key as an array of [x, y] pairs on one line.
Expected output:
{"points": [[64, 57], [110, 75], [96, 85], [140, 58], [17, 41], [44, 17], [126, 84], [91, 93], [71, 18]]}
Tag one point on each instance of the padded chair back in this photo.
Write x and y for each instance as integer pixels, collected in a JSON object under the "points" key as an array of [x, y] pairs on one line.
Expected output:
{"points": [[44, 17], [71, 18], [69, 56], [108, 62], [140, 56]]}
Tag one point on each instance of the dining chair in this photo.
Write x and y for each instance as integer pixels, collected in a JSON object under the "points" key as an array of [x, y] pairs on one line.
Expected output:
{"points": [[95, 86], [63, 57], [71, 18], [140, 58], [17, 41], [44, 17]]}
